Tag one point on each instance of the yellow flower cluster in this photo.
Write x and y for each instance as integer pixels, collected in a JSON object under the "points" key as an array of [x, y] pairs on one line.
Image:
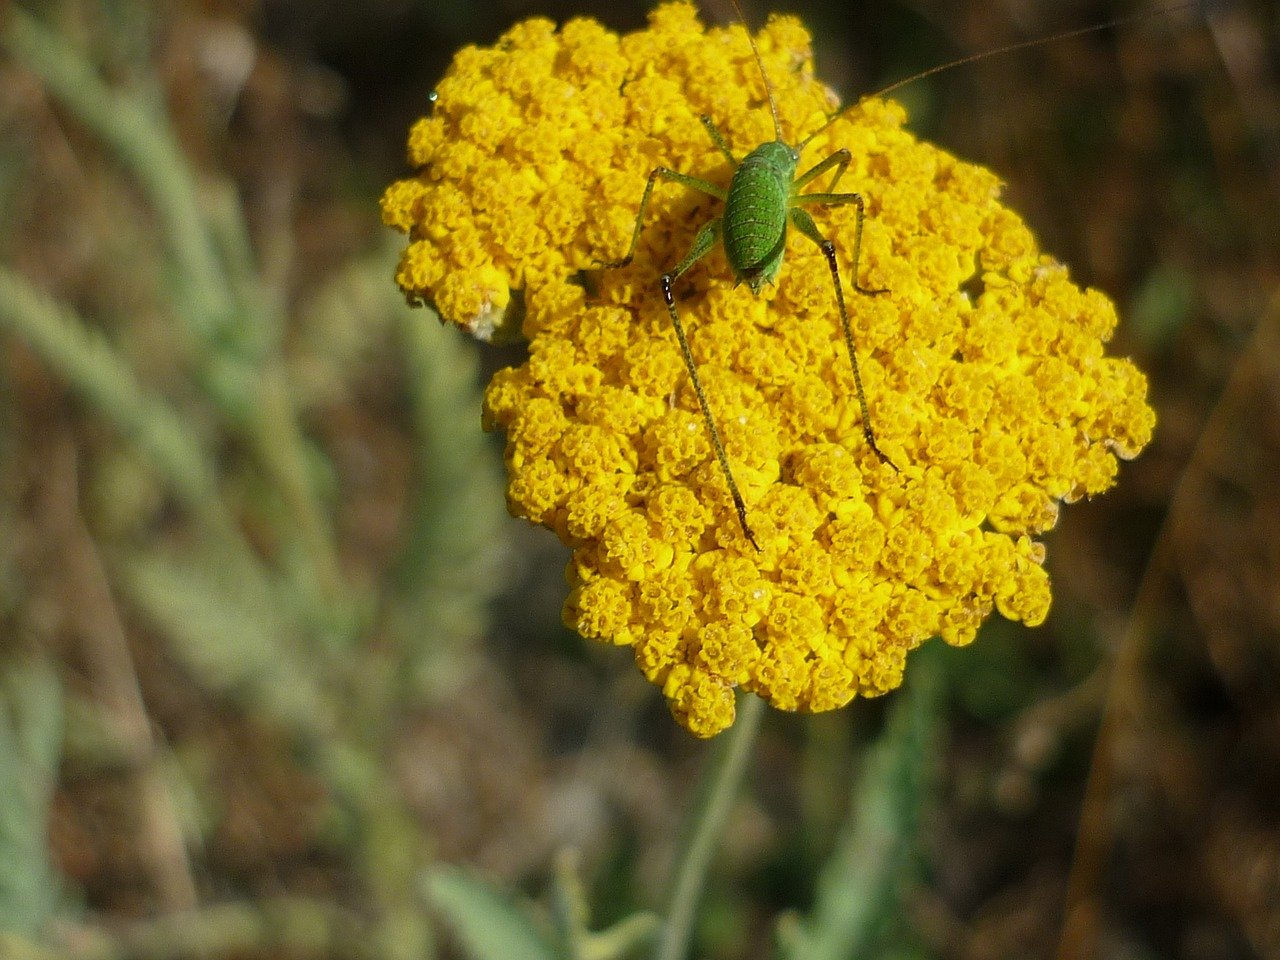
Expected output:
{"points": [[983, 364]]}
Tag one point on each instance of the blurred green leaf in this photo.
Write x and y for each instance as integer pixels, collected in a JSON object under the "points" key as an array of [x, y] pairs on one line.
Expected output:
{"points": [[90, 365], [233, 632], [571, 916], [626, 938], [994, 677], [131, 122], [1162, 305], [447, 571], [30, 748], [486, 924], [343, 327], [445, 575]]}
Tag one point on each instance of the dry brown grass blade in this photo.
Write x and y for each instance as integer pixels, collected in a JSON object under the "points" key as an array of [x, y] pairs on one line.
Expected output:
{"points": [[1127, 703]]}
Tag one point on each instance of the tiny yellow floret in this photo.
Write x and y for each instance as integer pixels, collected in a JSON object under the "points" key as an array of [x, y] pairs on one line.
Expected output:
{"points": [[984, 365]]}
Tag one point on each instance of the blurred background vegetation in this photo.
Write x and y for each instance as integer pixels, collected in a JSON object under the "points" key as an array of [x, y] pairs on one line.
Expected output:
{"points": [[272, 656]]}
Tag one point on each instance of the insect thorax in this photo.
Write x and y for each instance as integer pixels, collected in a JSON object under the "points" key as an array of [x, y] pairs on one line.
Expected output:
{"points": [[755, 214]]}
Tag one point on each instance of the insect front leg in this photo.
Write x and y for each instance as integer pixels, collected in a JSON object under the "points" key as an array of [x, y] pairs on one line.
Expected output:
{"points": [[804, 223], [674, 176], [702, 244]]}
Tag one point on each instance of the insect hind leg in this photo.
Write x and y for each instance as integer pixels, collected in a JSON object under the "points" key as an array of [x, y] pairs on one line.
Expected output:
{"points": [[804, 223], [702, 244]]}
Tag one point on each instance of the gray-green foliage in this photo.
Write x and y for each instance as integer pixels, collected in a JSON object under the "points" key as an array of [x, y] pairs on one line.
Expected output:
{"points": [[243, 623], [485, 922], [224, 621], [448, 566], [488, 925], [277, 624]]}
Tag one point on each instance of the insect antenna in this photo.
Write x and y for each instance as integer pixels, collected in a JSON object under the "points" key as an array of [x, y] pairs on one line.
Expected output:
{"points": [[995, 52], [768, 88]]}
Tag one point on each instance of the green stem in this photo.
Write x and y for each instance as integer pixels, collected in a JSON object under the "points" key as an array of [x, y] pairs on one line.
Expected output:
{"points": [[281, 447], [859, 888], [719, 788]]}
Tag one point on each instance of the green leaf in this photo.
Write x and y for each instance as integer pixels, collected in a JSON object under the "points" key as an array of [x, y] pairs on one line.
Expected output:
{"points": [[235, 632], [446, 574], [96, 371], [30, 749], [486, 924]]}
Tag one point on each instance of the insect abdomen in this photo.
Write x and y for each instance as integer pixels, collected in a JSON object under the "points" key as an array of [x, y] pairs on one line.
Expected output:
{"points": [[755, 217]]}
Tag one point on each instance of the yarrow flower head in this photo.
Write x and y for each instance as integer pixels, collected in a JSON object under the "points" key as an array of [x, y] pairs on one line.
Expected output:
{"points": [[983, 364]]}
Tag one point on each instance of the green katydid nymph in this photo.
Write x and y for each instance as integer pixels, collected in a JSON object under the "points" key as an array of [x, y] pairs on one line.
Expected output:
{"points": [[764, 198]]}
